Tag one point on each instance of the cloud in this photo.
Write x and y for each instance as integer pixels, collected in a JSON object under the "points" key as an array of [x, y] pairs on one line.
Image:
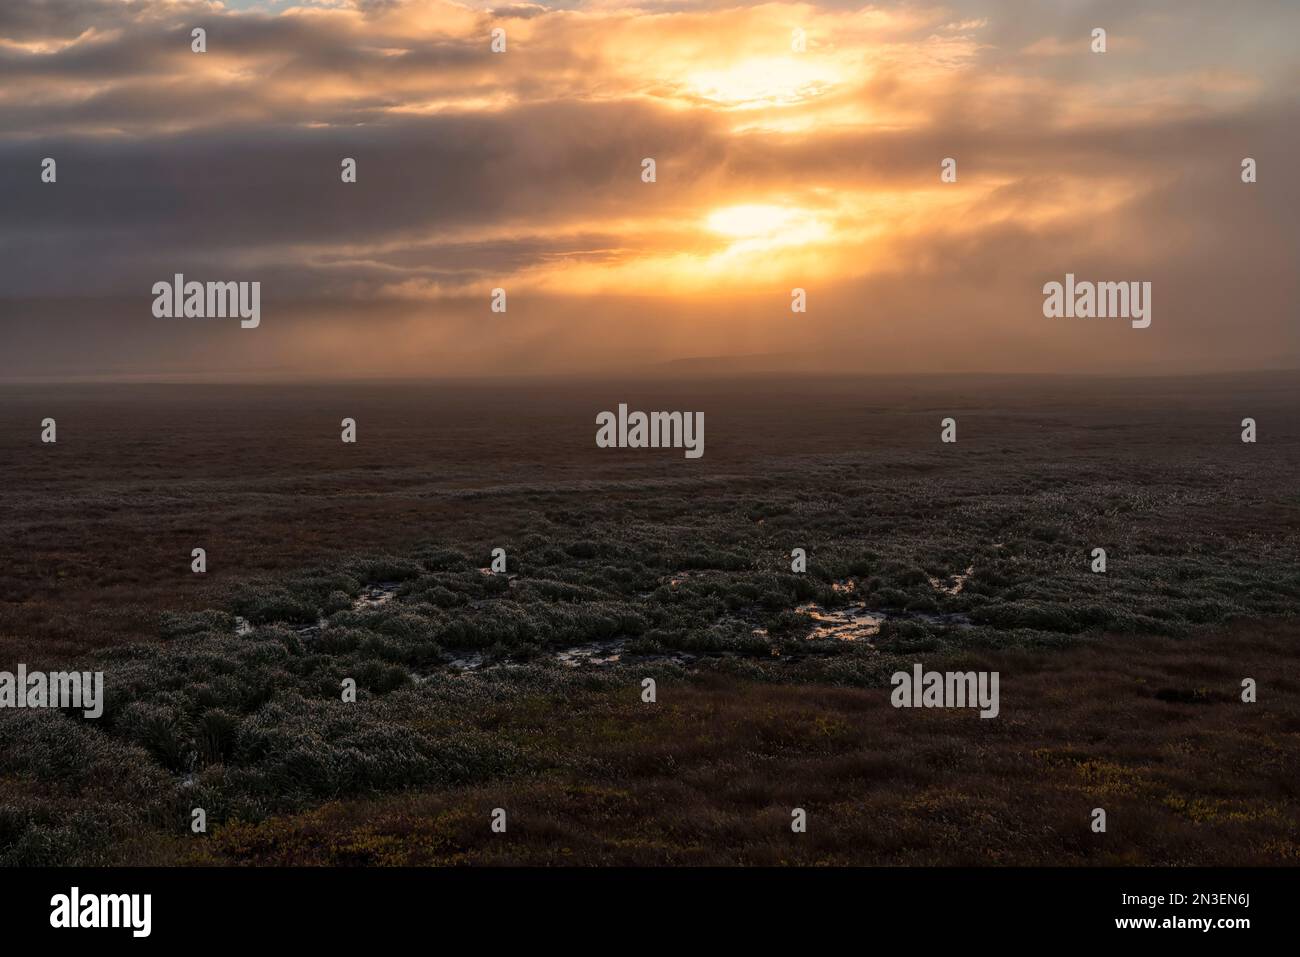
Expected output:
{"points": [[523, 170]]}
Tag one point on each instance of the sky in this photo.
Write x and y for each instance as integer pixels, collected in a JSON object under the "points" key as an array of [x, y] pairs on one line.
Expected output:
{"points": [[775, 169]]}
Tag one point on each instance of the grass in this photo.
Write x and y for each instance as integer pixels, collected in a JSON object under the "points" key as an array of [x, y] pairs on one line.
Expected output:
{"points": [[710, 773], [1118, 690]]}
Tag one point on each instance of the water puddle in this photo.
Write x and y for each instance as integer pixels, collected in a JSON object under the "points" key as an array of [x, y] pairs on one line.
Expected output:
{"points": [[468, 661], [245, 627], [375, 596], [958, 582], [857, 622], [371, 597], [854, 623], [596, 653]]}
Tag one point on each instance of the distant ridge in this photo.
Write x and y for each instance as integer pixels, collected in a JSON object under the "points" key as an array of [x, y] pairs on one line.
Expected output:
{"points": [[754, 362], [799, 363]]}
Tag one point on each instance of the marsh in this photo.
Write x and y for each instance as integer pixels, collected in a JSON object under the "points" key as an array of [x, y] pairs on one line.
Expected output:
{"points": [[521, 688]]}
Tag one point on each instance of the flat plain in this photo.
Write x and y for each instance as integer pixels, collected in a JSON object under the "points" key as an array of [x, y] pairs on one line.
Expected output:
{"points": [[522, 690]]}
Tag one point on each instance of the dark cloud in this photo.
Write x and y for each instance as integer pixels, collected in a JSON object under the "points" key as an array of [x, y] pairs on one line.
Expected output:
{"points": [[475, 169]]}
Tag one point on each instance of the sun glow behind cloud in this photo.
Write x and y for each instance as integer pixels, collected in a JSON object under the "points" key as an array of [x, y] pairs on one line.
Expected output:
{"points": [[732, 72], [753, 220], [763, 82], [776, 168]]}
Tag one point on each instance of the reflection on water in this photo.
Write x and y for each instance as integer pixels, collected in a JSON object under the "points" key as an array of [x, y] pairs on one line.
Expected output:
{"points": [[853, 623], [958, 582], [596, 653], [857, 622], [374, 596], [469, 661]]}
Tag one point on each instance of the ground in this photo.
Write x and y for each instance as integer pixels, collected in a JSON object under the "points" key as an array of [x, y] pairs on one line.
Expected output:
{"points": [[523, 690]]}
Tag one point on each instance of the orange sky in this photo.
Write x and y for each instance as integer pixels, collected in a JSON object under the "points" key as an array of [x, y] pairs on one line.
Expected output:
{"points": [[776, 168]]}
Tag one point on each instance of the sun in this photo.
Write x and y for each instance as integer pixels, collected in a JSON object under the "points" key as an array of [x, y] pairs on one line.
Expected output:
{"points": [[756, 227], [763, 83], [751, 220]]}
